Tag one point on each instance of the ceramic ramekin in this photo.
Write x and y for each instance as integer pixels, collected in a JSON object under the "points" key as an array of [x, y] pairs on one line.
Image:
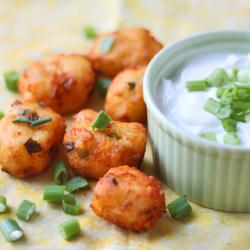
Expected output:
{"points": [[213, 175]]}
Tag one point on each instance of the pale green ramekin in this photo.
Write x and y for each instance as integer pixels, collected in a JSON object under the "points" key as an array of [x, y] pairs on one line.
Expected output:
{"points": [[212, 175]]}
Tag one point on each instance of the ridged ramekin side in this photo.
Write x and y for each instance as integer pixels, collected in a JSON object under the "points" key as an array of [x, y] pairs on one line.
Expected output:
{"points": [[215, 179]]}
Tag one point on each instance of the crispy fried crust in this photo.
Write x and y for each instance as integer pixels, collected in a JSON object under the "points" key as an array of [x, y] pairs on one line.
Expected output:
{"points": [[124, 100], [129, 198], [27, 151], [93, 152], [132, 47], [63, 82]]}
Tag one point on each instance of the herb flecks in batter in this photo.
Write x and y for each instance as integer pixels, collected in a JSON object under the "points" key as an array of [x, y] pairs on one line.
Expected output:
{"points": [[32, 146], [114, 135], [131, 85], [114, 181], [16, 102], [69, 146], [41, 104], [82, 153], [29, 114]]}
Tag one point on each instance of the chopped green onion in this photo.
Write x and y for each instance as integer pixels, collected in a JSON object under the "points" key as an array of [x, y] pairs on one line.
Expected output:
{"points": [[1, 115], [90, 32], [220, 92], [227, 96], [244, 76], [196, 86], [3, 204], [11, 80], [211, 136], [101, 121], [60, 173], [224, 112], [232, 139], [53, 193], [106, 44], [32, 123], [69, 229], [233, 74], [76, 183], [102, 85], [234, 100], [10, 230], [212, 106], [40, 121], [217, 78], [240, 117], [21, 120], [240, 106], [229, 124], [242, 94], [179, 208], [71, 205], [25, 210]]}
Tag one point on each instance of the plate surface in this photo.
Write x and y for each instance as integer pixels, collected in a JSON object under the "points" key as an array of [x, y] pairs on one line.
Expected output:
{"points": [[31, 30]]}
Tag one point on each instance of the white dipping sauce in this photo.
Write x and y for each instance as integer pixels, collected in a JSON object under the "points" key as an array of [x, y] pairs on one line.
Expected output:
{"points": [[186, 109]]}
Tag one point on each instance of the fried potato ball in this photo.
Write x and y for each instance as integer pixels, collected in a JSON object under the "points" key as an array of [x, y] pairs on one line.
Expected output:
{"points": [[129, 198], [25, 150], [125, 48], [92, 153], [124, 100], [63, 82]]}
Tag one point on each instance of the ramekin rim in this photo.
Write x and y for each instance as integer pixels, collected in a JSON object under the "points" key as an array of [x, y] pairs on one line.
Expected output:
{"points": [[162, 119]]}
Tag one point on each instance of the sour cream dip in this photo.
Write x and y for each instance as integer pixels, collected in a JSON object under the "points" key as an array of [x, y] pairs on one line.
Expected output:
{"points": [[186, 109]]}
